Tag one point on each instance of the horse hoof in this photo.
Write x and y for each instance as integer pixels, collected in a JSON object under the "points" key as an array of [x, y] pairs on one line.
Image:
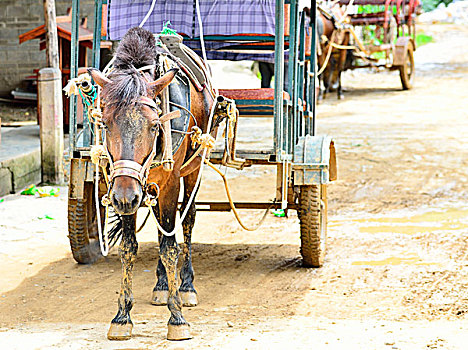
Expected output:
{"points": [[178, 332], [120, 331], [189, 298], [159, 297]]}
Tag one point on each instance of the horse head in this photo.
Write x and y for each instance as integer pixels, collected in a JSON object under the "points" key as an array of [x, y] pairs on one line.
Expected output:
{"points": [[131, 120]]}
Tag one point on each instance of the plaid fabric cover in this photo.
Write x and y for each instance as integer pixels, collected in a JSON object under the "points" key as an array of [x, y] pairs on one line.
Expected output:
{"points": [[219, 17]]}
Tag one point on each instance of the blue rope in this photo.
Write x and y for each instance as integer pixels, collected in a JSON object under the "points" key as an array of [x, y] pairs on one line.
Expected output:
{"points": [[91, 95]]}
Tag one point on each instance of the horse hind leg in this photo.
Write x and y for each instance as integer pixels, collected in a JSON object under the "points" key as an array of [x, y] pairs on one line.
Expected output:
{"points": [[161, 289], [121, 326], [187, 291], [178, 327]]}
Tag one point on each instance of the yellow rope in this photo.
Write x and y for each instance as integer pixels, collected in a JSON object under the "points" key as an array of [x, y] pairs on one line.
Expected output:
{"points": [[204, 140], [327, 58], [231, 203], [343, 47], [361, 47]]}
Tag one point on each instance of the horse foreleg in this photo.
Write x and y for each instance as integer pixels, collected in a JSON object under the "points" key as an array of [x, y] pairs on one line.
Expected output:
{"points": [[121, 325], [187, 291], [178, 327], [161, 289], [339, 90]]}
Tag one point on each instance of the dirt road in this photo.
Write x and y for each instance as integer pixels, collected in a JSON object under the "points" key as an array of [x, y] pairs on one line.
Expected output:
{"points": [[395, 275]]}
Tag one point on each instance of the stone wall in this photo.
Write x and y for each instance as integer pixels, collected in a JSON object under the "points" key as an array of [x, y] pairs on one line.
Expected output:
{"points": [[17, 17]]}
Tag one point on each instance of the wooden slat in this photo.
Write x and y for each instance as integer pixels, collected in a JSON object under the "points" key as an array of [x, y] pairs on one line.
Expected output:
{"points": [[32, 34], [263, 155], [63, 31]]}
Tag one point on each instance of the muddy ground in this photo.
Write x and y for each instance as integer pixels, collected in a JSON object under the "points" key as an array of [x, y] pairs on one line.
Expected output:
{"points": [[395, 276]]}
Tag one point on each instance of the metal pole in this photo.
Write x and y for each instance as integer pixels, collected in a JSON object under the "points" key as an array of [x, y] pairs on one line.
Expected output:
{"points": [[300, 75], [313, 63], [292, 127], [97, 33], [279, 78], [74, 71]]}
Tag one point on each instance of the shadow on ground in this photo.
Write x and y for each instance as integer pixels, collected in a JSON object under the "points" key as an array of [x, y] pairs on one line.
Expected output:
{"points": [[237, 276]]}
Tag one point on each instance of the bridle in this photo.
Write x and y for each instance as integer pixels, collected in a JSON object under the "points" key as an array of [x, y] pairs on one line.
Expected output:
{"points": [[131, 168]]}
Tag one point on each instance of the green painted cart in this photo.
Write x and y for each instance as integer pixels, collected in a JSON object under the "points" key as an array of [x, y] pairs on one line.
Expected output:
{"points": [[305, 161]]}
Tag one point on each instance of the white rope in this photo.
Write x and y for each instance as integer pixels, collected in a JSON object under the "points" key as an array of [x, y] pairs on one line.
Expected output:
{"points": [[103, 238], [197, 184], [202, 43], [213, 108], [148, 14], [200, 25]]}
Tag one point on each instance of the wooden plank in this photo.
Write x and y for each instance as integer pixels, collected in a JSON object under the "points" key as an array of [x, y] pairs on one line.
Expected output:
{"points": [[32, 34]]}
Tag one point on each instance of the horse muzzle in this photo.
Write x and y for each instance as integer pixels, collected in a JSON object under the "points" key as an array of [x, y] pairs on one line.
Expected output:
{"points": [[126, 195], [127, 178]]}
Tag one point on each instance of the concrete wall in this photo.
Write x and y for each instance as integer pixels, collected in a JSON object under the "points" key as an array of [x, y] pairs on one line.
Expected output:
{"points": [[17, 17]]}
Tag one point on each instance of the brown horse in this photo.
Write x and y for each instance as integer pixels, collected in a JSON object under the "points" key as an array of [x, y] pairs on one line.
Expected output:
{"points": [[132, 124], [329, 32]]}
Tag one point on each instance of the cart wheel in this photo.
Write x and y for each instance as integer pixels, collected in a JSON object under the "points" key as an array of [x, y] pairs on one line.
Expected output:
{"points": [[407, 70], [82, 227], [312, 212]]}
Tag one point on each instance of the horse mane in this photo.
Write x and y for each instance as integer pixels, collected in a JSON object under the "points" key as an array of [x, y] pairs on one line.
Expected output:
{"points": [[136, 50]]}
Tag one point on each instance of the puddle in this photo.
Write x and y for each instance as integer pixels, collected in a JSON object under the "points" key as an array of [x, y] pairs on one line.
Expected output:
{"points": [[410, 259], [452, 219]]}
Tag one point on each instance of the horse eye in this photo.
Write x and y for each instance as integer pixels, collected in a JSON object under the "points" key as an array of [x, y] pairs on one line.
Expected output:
{"points": [[155, 128]]}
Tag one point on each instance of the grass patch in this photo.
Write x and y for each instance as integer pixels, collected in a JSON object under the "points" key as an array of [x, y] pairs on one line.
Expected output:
{"points": [[423, 39], [380, 55]]}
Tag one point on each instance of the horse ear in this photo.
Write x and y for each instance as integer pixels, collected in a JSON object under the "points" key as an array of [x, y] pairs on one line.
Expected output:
{"points": [[98, 77], [165, 80]]}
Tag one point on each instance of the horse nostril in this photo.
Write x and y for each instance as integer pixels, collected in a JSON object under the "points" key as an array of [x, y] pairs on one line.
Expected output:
{"points": [[115, 202], [135, 201]]}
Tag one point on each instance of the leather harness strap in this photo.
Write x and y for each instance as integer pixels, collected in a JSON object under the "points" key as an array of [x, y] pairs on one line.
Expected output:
{"points": [[129, 167]]}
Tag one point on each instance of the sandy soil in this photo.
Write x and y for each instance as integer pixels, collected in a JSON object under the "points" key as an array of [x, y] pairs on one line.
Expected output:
{"points": [[395, 275]]}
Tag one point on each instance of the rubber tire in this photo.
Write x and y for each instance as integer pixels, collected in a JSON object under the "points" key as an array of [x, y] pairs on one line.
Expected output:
{"points": [[82, 227], [312, 213], [406, 76]]}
